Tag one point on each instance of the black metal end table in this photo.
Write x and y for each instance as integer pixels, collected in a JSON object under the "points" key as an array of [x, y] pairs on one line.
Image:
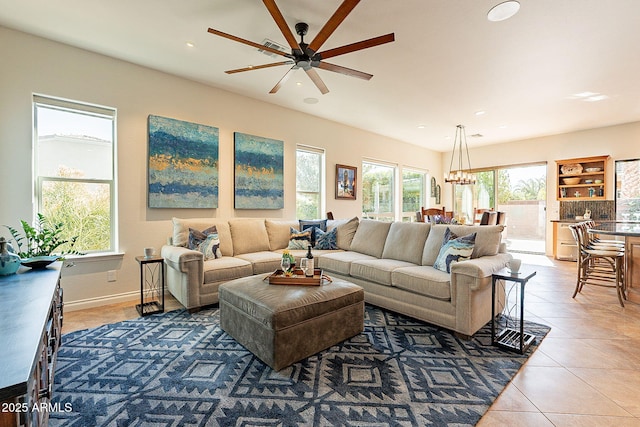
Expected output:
{"points": [[510, 337], [151, 285]]}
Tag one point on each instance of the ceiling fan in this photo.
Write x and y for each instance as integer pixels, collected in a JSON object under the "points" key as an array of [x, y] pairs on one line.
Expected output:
{"points": [[306, 56]]}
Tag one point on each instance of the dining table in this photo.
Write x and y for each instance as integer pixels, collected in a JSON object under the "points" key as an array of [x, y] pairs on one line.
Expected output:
{"points": [[630, 231]]}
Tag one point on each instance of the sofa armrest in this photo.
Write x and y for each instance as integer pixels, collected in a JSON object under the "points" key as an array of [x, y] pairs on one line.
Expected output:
{"points": [[481, 267], [471, 291], [182, 259], [184, 274]]}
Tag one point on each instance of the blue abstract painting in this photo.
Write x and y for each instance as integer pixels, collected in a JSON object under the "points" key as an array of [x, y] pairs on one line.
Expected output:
{"points": [[259, 178], [183, 164]]}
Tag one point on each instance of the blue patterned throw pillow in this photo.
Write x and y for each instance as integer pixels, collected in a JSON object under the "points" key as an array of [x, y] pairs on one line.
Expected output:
{"points": [[312, 225], [299, 239], [206, 241], [454, 249], [326, 240]]}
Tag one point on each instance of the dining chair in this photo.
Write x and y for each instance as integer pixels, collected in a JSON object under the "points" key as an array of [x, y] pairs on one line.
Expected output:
{"points": [[426, 213], [489, 218], [477, 215], [598, 265], [502, 218]]}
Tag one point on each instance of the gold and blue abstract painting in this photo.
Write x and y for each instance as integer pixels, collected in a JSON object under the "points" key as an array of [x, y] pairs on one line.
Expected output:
{"points": [[259, 167], [183, 164]]}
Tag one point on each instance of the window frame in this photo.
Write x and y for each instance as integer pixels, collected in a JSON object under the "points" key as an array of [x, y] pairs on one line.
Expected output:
{"points": [[395, 188], [411, 216], [320, 152], [39, 181]]}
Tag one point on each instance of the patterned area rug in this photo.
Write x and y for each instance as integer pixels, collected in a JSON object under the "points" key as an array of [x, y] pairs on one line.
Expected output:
{"points": [[181, 369]]}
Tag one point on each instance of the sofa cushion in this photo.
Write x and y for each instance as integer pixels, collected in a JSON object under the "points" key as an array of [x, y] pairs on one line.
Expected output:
{"points": [[377, 270], [206, 241], [263, 262], [423, 280], [299, 239], [340, 262], [278, 232], [326, 240], [487, 240], [346, 231], [249, 235], [454, 249], [370, 237], [405, 241], [181, 227], [226, 268]]}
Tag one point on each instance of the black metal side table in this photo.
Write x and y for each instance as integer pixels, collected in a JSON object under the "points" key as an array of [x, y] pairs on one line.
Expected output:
{"points": [[151, 285], [511, 337]]}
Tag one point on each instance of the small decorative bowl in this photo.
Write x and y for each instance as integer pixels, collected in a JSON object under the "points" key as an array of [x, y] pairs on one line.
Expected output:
{"points": [[598, 181], [588, 181], [591, 170], [39, 262], [571, 181]]}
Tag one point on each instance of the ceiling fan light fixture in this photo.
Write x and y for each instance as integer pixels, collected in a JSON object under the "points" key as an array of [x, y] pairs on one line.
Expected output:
{"points": [[503, 11]]}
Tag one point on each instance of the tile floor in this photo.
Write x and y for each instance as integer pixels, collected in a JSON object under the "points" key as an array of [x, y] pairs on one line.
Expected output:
{"points": [[586, 372]]}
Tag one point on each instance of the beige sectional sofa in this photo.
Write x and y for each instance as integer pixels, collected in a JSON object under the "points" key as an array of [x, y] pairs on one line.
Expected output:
{"points": [[393, 262]]}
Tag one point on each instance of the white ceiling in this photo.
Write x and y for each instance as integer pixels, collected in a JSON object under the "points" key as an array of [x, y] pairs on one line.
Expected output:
{"points": [[448, 60]]}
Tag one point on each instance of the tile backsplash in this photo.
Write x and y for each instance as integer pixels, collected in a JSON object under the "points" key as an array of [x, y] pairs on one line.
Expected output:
{"points": [[600, 209]]}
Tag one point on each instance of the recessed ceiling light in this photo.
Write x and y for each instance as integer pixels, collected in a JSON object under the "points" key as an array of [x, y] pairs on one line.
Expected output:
{"points": [[422, 126], [585, 94], [502, 126], [598, 97], [589, 96], [191, 44], [480, 113], [502, 11], [310, 100], [298, 83]]}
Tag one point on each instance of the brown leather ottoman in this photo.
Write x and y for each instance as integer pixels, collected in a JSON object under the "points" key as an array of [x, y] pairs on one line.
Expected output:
{"points": [[282, 324]]}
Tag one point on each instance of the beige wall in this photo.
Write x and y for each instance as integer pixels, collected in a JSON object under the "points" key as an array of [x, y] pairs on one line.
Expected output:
{"points": [[36, 65], [619, 142]]}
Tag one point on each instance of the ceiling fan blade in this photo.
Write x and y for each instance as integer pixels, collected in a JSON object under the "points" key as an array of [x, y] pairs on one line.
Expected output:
{"points": [[315, 78], [282, 24], [283, 79], [340, 14], [344, 70], [250, 43], [258, 67], [364, 44]]}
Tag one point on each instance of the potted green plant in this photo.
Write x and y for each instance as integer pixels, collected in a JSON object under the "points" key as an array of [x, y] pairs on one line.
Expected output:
{"points": [[37, 244]]}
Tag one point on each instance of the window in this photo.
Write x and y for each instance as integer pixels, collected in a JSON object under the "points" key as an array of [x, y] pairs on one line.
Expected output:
{"points": [[309, 182], [413, 193], [74, 170], [628, 190], [378, 182]]}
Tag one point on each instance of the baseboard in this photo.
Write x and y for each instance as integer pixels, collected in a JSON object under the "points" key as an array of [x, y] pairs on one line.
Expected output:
{"points": [[100, 301]]}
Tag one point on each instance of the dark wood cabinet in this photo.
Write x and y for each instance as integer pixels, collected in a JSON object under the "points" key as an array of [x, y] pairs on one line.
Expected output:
{"points": [[31, 307]]}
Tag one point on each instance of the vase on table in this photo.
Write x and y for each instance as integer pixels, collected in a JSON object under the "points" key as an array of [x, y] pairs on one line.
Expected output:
{"points": [[9, 262]]}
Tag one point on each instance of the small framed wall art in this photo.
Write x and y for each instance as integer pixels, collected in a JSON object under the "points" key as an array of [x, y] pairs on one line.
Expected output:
{"points": [[346, 182]]}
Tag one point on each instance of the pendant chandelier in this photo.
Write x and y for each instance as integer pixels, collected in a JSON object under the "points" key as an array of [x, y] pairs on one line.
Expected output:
{"points": [[460, 176]]}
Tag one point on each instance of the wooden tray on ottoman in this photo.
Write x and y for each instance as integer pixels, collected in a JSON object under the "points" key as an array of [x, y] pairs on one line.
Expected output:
{"points": [[277, 278]]}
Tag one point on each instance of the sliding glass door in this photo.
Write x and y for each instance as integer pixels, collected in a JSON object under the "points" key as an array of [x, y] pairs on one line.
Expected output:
{"points": [[518, 191]]}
